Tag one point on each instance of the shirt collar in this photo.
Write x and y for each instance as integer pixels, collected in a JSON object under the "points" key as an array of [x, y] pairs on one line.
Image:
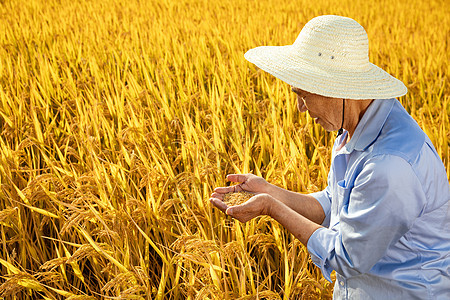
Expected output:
{"points": [[370, 125]]}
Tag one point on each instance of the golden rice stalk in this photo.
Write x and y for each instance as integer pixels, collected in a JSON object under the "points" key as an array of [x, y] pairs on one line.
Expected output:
{"points": [[237, 198], [11, 287], [80, 297], [18, 282], [8, 216], [53, 263], [121, 280]]}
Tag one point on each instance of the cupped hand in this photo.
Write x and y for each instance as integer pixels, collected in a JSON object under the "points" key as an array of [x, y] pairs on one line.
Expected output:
{"points": [[257, 205], [248, 182]]}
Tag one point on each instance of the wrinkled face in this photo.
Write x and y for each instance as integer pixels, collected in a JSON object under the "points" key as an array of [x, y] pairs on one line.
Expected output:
{"points": [[325, 111]]}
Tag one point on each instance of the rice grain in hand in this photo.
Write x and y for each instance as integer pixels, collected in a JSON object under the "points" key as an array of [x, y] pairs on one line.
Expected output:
{"points": [[237, 198]]}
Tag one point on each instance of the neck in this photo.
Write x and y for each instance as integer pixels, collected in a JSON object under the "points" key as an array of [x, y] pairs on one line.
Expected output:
{"points": [[354, 111]]}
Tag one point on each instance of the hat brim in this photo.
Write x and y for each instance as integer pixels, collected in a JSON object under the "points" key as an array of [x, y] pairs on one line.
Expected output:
{"points": [[283, 63]]}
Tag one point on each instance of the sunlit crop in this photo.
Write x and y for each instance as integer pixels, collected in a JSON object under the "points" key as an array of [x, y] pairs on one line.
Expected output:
{"points": [[119, 118]]}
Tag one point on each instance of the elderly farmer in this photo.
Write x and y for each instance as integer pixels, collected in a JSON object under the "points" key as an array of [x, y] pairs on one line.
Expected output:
{"points": [[383, 221]]}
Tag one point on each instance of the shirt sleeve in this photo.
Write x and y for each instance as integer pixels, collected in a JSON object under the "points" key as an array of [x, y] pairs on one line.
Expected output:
{"points": [[384, 201], [324, 198]]}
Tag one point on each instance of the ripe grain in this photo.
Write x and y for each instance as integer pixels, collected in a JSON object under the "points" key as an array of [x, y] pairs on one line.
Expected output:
{"points": [[237, 198]]}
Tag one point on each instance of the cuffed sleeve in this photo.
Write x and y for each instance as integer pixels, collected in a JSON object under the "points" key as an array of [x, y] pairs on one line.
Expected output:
{"points": [[320, 245], [323, 197]]}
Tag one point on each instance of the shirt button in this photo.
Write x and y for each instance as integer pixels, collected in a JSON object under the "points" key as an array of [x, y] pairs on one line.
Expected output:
{"points": [[341, 283]]}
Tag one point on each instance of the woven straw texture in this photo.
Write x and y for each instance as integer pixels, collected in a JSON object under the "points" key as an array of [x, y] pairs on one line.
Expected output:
{"points": [[330, 57]]}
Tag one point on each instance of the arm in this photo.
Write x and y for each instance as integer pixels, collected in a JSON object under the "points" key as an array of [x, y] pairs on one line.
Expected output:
{"points": [[264, 204], [303, 204], [301, 227]]}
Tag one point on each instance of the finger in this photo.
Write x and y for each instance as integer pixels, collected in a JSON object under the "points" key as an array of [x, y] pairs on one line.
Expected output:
{"points": [[238, 188], [230, 189], [219, 204], [217, 195], [237, 177], [224, 190]]}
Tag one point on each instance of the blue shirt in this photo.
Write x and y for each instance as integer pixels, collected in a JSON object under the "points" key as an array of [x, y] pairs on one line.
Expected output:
{"points": [[387, 207]]}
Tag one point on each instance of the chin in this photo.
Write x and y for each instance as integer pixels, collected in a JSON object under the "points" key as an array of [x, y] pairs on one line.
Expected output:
{"points": [[329, 128]]}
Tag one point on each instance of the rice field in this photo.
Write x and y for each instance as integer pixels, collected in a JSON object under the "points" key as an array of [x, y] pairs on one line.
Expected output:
{"points": [[119, 118]]}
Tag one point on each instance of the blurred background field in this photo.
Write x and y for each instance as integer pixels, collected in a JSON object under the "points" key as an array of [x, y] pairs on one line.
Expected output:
{"points": [[119, 118]]}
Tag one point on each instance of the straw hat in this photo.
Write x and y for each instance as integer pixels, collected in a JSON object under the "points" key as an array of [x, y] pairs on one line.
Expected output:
{"points": [[330, 57]]}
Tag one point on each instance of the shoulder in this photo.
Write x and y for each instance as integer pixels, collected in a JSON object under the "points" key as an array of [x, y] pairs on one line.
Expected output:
{"points": [[388, 168], [390, 178], [400, 136]]}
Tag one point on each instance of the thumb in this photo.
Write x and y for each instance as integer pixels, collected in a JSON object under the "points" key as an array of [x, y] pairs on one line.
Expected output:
{"points": [[233, 210], [230, 211]]}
